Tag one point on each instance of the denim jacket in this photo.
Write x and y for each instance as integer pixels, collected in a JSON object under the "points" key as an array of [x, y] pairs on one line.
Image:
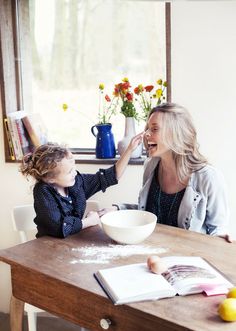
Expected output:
{"points": [[204, 207]]}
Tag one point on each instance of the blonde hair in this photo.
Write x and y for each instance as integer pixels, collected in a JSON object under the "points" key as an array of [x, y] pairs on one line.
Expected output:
{"points": [[179, 135], [42, 162]]}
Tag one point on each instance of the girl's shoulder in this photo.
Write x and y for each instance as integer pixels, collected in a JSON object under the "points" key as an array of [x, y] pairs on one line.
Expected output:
{"points": [[43, 187]]}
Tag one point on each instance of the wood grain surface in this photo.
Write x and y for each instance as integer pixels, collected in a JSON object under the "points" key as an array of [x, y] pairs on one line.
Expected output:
{"points": [[52, 274]]}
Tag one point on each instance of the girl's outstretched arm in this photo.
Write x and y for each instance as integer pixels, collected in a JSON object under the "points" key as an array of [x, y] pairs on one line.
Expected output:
{"points": [[122, 163]]}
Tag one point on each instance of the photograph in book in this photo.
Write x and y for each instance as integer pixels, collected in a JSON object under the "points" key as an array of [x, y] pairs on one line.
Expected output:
{"points": [[184, 276]]}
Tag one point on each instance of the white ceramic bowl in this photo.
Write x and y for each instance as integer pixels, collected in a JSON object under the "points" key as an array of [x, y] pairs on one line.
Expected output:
{"points": [[128, 226]]}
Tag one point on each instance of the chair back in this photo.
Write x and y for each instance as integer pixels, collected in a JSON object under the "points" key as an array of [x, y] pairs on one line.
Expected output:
{"points": [[22, 218]]}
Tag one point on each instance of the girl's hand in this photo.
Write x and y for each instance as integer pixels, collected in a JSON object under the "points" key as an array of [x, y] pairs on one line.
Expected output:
{"points": [[122, 163], [135, 141], [91, 219]]}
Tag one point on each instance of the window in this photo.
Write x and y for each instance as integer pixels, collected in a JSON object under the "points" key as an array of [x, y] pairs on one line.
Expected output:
{"points": [[68, 47]]}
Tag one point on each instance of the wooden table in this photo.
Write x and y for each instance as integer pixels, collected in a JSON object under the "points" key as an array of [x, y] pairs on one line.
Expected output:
{"points": [[55, 275]]}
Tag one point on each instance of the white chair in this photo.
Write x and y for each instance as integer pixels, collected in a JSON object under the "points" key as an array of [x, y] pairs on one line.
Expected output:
{"points": [[22, 218]]}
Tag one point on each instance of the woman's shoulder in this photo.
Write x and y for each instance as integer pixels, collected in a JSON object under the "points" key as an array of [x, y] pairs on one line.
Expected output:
{"points": [[208, 170], [208, 174]]}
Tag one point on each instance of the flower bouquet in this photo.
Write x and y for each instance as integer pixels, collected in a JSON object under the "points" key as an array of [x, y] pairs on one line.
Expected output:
{"points": [[126, 101], [123, 93], [107, 106], [148, 99]]}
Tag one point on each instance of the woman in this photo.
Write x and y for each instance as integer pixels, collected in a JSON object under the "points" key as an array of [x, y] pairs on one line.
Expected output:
{"points": [[179, 185]]}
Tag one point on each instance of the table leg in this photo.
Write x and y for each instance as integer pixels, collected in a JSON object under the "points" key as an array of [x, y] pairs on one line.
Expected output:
{"points": [[16, 314]]}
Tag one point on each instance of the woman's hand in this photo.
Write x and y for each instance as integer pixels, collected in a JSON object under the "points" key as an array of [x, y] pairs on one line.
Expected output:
{"points": [[226, 237], [106, 210]]}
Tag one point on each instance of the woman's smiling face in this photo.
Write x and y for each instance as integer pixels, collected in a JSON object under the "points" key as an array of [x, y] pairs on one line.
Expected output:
{"points": [[156, 145]]}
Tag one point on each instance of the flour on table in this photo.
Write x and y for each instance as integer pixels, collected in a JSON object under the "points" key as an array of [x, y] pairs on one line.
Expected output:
{"points": [[103, 254]]}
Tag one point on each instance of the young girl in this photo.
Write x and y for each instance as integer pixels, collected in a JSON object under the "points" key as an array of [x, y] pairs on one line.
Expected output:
{"points": [[60, 192]]}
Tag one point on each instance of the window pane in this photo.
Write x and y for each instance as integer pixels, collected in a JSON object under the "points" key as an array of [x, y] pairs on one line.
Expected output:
{"points": [[77, 44]]}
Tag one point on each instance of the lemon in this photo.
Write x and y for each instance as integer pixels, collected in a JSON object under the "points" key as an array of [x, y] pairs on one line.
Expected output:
{"points": [[227, 310], [232, 293]]}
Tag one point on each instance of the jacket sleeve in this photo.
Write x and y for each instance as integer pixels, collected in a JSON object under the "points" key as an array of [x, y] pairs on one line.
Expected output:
{"points": [[50, 218], [123, 206], [217, 212]]}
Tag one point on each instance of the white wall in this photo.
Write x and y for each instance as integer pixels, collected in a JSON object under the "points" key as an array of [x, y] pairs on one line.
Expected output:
{"points": [[203, 72], [203, 79]]}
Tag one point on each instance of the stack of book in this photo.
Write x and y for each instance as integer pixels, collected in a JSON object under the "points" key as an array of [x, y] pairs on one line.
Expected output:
{"points": [[24, 132]]}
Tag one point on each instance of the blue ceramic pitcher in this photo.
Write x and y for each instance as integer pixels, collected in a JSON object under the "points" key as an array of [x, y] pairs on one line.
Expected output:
{"points": [[105, 145]]}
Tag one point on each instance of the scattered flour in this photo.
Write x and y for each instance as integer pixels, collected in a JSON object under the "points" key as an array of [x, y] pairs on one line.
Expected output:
{"points": [[103, 254]]}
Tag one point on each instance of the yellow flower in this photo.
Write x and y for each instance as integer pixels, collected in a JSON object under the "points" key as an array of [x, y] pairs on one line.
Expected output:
{"points": [[64, 107], [165, 84], [125, 79], [159, 82], [159, 93], [101, 86]]}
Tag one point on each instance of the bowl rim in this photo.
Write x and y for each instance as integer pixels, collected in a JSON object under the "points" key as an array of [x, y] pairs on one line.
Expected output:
{"points": [[154, 220]]}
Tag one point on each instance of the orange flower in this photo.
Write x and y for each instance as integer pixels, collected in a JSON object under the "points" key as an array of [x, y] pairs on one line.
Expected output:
{"points": [[125, 86], [129, 96], [149, 88], [138, 89], [107, 98]]}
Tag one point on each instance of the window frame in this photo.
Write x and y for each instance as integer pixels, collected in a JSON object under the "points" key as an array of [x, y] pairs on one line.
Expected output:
{"points": [[11, 92]]}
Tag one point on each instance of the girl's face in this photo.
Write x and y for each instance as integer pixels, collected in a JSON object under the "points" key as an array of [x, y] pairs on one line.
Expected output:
{"points": [[65, 173], [156, 145]]}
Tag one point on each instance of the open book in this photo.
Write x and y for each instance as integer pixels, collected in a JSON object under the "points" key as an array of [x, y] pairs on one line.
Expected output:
{"points": [[185, 275]]}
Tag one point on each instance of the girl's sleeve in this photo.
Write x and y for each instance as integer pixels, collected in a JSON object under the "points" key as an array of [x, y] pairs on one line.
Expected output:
{"points": [[50, 219], [99, 181]]}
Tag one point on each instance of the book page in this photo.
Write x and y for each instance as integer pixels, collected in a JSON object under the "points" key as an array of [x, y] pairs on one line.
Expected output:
{"points": [[133, 283], [190, 275]]}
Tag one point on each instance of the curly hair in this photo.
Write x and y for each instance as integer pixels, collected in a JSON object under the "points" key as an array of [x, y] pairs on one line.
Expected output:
{"points": [[42, 162], [179, 134]]}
